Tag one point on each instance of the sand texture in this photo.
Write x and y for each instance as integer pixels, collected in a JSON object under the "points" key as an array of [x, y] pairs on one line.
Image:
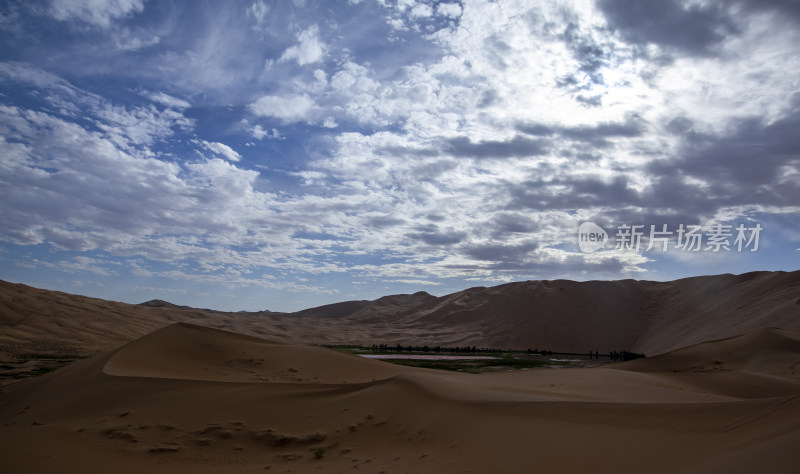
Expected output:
{"points": [[559, 315], [192, 399], [164, 393]]}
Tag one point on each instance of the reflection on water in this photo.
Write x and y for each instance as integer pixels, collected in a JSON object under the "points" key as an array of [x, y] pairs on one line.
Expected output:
{"points": [[425, 357]]}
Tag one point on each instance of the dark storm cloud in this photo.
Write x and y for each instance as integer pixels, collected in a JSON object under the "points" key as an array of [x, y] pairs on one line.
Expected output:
{"points": [[572, 193], [596, 135], [407, 151], [744, 166], [672, 24], [536, 129], [671, 192], [497, 50], [785, 8], [431, 234], [514, 148], [611, 219], [680, 125], [488, 98], [590, 100], [382, 222], [510, 223], [434, 169], [526, 266], [590, 55], [498, 252]]}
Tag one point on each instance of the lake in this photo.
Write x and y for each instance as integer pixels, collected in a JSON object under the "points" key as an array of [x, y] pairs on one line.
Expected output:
{"points": [[424, 357]]}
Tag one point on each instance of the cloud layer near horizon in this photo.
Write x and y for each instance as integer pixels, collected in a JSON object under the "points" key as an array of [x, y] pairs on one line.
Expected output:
{"points": [[378, 146]]}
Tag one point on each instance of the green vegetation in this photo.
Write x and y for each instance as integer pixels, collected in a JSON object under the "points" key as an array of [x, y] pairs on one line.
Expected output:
{"points": [[473, 350], [42, 370], [505, 362], [497, 359], [33, 366], [65, 357], [318, 453]]}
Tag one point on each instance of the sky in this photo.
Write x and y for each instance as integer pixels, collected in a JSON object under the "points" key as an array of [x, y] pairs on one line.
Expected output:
{"points": [[253, 155]]}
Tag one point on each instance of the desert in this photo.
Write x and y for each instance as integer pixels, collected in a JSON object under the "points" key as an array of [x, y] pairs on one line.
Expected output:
{"points": [[399, 236], [185, 397]]}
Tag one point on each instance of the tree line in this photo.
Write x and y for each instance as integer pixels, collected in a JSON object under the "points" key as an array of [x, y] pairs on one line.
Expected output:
{"points": [[613, 355]]}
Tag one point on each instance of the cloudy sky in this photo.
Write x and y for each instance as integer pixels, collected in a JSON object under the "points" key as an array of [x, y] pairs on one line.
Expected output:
{"points": [[257, 155]]}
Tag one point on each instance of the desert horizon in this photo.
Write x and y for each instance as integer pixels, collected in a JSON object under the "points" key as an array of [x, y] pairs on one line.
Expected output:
{"points": [[399, 236], [153, 387], [566, 316]]}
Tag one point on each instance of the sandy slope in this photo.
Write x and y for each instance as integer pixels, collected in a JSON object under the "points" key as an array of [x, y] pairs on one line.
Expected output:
{"points": [[190, 352], [560, 315], [192, 399]]}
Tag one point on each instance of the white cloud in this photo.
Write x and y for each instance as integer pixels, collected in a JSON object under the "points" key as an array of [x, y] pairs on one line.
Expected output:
{"points": [[99, 196], [354, 79], [259, 10], [473, 152], [9, 21], [87, 191], [417, 282], [126, 40], [158, 290], [33, 76], [396, 24], [310, 177], [290, 109], [222, 150], [79, 264], [126, 126], [450, 10], [421, 10], [321, 77], [98, 12], [167, 100], [139, 125], [406, 4], [308, 50], [260, 133]]}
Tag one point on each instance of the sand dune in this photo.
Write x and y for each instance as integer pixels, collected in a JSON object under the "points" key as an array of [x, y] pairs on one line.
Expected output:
{"points": [[176, 389], [767, 351], [560, 315], [186, 351], [192, 399], [761, 364]]}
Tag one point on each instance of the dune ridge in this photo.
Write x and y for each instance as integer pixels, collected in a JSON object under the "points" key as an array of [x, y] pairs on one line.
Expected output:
{"points": [[191, 352], [187, 398], [560, 315]]}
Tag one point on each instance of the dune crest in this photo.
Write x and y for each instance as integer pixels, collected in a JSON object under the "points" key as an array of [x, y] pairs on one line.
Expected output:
{"points": [[191, 352], [769, 350], [187, 398], [560, 315]]}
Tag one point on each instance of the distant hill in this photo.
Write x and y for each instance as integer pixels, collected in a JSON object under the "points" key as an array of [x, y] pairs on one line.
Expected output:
{"points": [[160, 304], [559, 315]]}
